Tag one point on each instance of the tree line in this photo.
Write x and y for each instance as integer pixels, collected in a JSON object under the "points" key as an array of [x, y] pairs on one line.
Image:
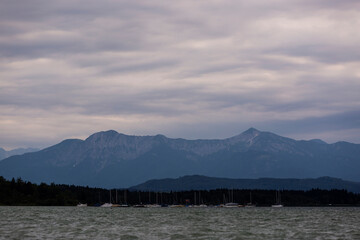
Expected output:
{"points": [[18, 192]]}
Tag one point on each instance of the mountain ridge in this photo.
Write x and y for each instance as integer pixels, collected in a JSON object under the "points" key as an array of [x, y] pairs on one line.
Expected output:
{"points": [[198, 182], [111, 159], [17, 151]]}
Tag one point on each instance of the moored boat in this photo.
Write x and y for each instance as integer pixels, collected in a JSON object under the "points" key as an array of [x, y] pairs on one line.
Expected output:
{"points": [[231, 205], [177, 206], [278, 201], [82, 205], [106, 205], [153, 206], [250, 204], [109, 204], [139, 206]]}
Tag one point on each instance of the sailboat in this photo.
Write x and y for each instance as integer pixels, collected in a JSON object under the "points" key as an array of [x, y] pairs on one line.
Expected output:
{"points": [[82, 205], [109, 204], [201, 204], [140, 204], [125, 201], [150, 205], [116, 204], [250, 204], [231, 204], [278, 200]]}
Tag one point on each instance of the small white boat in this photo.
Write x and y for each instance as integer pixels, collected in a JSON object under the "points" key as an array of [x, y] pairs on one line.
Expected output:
{"points": [[231, 205], [277, 206], [139, 206], [82, 205], [124, 205], [109, 204], [106, 205]]}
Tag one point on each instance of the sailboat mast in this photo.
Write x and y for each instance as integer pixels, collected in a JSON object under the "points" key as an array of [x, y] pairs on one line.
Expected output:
{"points": [[279, 198]]}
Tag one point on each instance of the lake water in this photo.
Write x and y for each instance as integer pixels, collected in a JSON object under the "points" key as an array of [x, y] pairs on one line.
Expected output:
{"points": [[180, 223]]}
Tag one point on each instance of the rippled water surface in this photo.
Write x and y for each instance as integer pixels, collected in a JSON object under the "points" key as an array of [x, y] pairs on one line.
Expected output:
{"points": [[182, 223]]}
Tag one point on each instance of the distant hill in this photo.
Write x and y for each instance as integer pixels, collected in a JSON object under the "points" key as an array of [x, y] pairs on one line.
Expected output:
{"points": [[110, 159], [196, 182], [18, 151]]}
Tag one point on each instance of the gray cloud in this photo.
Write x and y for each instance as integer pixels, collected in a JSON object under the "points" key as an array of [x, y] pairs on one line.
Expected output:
{"points": [[184, 69]]}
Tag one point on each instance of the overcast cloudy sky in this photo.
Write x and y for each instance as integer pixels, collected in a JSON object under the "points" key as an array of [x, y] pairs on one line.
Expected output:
{"points": [[190, 69]]}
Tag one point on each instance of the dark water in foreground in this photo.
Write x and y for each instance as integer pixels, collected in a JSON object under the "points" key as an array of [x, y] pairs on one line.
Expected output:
{"points": [[181, 223]]}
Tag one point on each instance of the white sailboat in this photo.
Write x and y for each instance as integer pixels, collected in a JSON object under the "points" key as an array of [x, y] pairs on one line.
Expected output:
{"points": [[109, 204], [82, 205], [278, 200], [125, 201], [150, 205], [231, 204]]}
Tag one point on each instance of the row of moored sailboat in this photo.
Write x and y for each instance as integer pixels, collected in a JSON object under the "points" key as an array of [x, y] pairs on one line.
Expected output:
{"points": [[227, 205]]}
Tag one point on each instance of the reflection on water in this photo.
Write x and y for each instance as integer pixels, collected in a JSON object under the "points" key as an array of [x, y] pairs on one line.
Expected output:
{"points": [[178, 223]]}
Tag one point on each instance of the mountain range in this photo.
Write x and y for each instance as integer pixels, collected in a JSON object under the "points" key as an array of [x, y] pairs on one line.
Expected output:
{"points": [[111, 159], [18, 151], [196, 182]]}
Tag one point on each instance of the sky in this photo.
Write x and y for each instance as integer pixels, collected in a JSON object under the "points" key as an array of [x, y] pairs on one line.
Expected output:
{"points": [[189, 69]]}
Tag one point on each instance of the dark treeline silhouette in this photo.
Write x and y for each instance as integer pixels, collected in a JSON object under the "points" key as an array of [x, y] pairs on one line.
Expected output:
{"points": [[19, 192]]}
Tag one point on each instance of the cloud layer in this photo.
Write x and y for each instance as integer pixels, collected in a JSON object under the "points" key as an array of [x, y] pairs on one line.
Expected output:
{"points": [[188, 69]]}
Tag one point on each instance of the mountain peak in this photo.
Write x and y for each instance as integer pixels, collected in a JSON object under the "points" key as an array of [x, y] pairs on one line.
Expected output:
{"points": [[109, 133], [252, 131], [318, 141], [246, 136]]}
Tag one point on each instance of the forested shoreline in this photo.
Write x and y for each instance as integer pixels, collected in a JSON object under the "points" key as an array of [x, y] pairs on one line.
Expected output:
{"points": [[22, 193]]}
